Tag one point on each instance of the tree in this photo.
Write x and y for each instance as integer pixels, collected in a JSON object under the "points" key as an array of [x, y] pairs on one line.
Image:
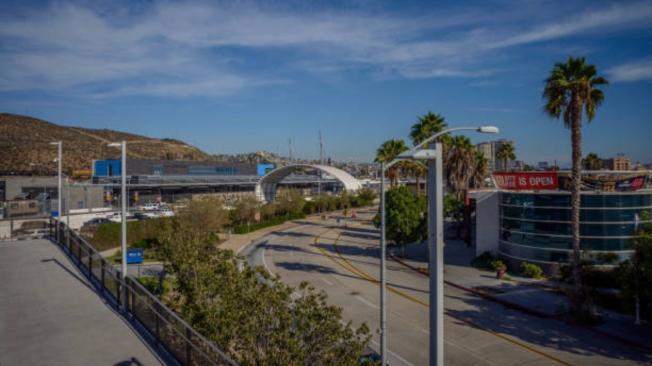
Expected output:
{"points": [[365, 197], [290, 201], [454, 209], [244, 209], [592, 162], [570, 91], [405, 220], [480, 169], [506, 152], [204, 217], [257, 322], [636, 272], [428, 125], [387, 152], [417, 170], [460, 164]]}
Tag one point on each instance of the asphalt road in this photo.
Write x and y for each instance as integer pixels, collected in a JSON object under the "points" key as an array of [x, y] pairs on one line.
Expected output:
{"points": [[344, 263]]}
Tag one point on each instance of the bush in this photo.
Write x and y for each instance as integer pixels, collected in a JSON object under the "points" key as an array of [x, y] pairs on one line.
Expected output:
{"points": [[277, 220], [483, 261], [497, 265], [531, 270]]}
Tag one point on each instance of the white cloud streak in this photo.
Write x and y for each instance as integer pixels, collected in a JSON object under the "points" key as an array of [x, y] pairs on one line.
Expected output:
{"points": [[632, 71], [180, 49]]}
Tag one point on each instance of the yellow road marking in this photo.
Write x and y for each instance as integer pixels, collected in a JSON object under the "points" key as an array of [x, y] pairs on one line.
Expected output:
{"points": [[349, 266]]}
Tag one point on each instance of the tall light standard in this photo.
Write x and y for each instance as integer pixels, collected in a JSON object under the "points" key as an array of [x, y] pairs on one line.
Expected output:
{"points": [[435, 240], [123, 204], [59, 194]]}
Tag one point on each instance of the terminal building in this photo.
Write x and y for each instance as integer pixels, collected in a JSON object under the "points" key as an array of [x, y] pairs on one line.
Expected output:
{"points": [[528, 218]]}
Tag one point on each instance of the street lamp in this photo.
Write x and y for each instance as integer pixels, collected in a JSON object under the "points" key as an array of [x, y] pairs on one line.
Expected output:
{"points": [[59, 197], [123, 198], [433, 155]]}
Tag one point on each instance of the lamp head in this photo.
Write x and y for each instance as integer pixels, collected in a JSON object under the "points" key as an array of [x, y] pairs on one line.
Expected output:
{"points": [[488, 129], [114, 144]]}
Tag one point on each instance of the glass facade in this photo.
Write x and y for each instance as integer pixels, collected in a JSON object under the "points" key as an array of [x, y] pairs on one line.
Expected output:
{"points": [[537, 226]]}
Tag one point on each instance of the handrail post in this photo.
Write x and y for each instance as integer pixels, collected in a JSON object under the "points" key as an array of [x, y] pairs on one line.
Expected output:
{"points": [[188, 346]]}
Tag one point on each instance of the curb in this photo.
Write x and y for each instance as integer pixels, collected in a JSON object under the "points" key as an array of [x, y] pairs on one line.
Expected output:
{"points": [[538, 313]]}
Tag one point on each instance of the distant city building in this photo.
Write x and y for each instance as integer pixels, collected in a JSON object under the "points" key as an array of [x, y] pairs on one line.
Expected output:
{"points": [[618, 163], [543, 165], [489, 150], [516, 165]]}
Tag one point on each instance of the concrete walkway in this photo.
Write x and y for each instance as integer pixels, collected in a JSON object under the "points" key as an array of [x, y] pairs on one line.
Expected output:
{"points": [[50, 315]]}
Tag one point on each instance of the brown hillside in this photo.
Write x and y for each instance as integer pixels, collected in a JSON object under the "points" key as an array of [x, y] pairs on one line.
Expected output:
{"points": [[25, 149]]}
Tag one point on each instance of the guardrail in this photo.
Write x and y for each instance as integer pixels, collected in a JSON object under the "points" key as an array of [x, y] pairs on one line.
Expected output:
{"points": [[177, 337]]}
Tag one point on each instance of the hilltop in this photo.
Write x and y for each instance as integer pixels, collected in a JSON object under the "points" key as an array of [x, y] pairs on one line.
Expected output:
{"points": [[24, 142]]}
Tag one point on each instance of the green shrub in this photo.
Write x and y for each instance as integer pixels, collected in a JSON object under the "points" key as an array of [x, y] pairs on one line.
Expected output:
{"points": [[277, 220], [531, 270], [497, 264], [483, 261]]}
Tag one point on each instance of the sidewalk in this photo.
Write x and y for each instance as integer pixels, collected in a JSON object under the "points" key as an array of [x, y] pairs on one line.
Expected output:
{"points": [[534, 296]]}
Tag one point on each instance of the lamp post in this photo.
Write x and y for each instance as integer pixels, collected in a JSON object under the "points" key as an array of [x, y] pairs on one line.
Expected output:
{"points": [[435, 240], [123, 203], [59, 196]]}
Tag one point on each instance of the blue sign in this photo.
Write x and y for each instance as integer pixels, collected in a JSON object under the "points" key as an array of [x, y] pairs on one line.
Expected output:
{"points": [[55, 213], [135, 256]]}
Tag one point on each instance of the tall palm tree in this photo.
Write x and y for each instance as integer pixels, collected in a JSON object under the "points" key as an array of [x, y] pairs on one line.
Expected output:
{"points": [[387, 152], [480, 170], [417, 170], [570, 91], [428, 125], [460, 164], [506, 152], [592, 162]]}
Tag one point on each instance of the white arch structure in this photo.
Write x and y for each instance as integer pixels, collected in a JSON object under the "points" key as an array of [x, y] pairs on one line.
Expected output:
{"points": [[267, 185]]}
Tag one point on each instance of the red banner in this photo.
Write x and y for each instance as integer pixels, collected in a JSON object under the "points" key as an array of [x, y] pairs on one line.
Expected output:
{"points": [[527, 180]]}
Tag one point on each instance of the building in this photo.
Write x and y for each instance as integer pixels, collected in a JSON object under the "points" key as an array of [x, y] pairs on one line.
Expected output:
{"points": [[143, 167], [489, 150], [617, 163], [528, 217], [543, 165]]}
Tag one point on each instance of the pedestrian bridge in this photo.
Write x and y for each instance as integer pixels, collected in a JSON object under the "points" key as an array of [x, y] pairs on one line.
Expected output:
{"points": [[268, 184]]}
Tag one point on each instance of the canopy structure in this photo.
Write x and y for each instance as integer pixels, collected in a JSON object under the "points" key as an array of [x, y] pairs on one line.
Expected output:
{"points": [[266, 187]]}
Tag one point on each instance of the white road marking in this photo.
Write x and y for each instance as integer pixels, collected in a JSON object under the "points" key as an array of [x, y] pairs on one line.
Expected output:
{"points": [[366, 302], [327, 281], [393, 354]]}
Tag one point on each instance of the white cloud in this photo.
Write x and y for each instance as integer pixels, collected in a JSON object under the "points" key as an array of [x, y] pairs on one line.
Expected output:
{"points": [[179, 49], [632, 71]]}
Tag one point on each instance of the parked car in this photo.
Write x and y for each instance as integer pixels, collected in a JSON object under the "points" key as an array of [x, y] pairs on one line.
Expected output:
{"points": [[141, 216], [166, 212], [97, 221], [151, 206]]}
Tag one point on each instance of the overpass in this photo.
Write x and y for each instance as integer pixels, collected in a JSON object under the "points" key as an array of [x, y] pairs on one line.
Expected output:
{"points": [[266, 187]]}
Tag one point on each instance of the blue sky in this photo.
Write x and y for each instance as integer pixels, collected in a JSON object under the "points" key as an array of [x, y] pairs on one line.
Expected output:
{"points": [[243, 76]]}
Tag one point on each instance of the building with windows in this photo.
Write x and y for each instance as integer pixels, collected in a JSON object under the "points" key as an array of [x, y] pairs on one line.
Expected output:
{"points": [[530, 220], [489, 149], [617, 163]]}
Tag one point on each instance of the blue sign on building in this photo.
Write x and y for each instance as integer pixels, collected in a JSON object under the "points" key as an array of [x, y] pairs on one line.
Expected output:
{"points": [[135, 256], [55, 213]]}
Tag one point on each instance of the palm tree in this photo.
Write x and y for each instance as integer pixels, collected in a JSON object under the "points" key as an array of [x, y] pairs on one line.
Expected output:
{"points": [[480, 169], [387, 152], [417, 170], [570, 90], [428, 125], [506, 152], [460, 164], [592, 162]]}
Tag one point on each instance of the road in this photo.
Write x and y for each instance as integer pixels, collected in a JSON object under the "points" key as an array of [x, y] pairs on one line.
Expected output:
{"points": [[344, 263]]}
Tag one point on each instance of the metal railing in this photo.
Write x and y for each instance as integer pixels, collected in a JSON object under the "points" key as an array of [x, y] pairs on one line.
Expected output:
{"points": [[169, 331]]}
